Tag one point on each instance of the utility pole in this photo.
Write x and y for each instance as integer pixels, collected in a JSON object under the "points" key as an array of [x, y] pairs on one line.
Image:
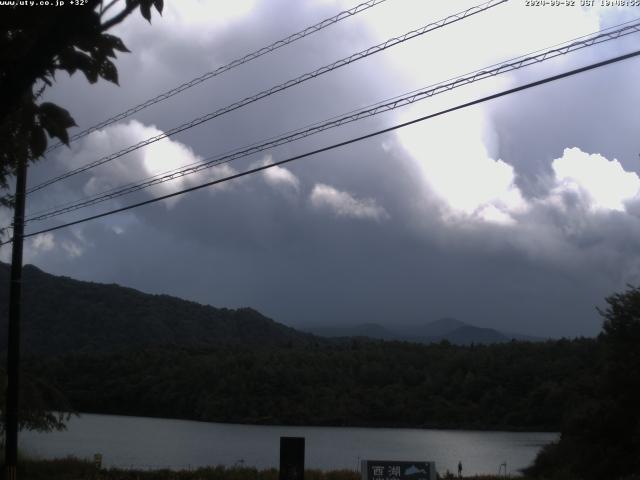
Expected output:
{"points": [[13, 350]]}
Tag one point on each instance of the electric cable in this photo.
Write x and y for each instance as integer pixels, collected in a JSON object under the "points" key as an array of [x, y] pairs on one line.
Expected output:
{"points": [[224, 68], [343, 143], [278, 88], [380, 107]]}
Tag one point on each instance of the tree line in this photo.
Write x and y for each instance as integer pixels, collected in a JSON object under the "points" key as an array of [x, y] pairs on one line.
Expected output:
{"points": [[518, 385]]}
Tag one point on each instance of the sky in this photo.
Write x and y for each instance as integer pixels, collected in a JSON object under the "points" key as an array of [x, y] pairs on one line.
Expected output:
{"points": [[520, 214]]}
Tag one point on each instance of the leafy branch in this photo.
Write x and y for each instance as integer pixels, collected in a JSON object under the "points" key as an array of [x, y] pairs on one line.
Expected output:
{"points": [[33, 48]]}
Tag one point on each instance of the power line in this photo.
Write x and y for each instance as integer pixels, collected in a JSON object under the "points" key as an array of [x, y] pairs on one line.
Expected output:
{"points": [[234, 63], [384, 106], [278, 88], [611, 33], [344, 143], [379, 107]]}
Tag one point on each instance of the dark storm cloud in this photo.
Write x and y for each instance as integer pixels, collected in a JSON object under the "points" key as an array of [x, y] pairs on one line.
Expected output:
{"points": [[359, 234]]}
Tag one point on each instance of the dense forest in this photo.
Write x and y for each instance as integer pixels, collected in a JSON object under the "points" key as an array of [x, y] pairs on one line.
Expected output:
{"points": [[517, 385]]}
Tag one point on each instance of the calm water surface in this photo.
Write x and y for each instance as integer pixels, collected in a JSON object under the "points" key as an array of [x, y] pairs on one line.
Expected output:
{"points": [[154, 443]]}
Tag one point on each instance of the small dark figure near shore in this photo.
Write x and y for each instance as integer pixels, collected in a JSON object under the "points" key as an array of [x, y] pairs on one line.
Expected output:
{"points": [[459, 469]]}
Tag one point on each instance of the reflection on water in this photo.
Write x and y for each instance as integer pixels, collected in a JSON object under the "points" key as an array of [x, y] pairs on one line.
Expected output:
{"points": [[154, 443]]}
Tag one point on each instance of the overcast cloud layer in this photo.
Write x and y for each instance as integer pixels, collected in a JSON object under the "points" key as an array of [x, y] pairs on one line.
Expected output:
{"points": [[521, 214]]}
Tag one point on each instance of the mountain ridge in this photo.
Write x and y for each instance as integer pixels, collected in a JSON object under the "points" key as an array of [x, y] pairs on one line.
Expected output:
{"points": [[63, 315], [449, 329]]}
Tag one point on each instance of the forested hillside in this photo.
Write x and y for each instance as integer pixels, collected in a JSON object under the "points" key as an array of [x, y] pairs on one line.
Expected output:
{"points": [[62, 315], [115, 350]]}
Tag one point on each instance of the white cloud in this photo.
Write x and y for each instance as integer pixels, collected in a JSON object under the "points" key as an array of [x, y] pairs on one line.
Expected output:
{"points": [[195, 21], [492, 214], [77, 243], [38, 246], [72, 249], [586, 217], [159, 157], [43, 242], [207, 14], [459, 170], [600, 183], [580, 221], [279, 177], [211, 174], [343, 204], [503, 32]]}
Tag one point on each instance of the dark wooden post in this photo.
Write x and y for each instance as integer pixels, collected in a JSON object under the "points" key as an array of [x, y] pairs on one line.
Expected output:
{"points": [[13, 338], [291, 458]]}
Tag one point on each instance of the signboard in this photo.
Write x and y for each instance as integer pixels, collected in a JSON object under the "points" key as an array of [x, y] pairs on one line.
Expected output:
{"points": [[291, 458], [395, 470]]}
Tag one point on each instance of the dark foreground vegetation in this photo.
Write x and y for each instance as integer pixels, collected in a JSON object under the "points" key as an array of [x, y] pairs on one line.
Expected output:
{"points": [[74, 469], [600, 436], [528, 386]]}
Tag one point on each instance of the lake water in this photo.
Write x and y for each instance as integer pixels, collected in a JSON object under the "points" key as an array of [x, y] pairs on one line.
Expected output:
{"points": [[157, 443]]}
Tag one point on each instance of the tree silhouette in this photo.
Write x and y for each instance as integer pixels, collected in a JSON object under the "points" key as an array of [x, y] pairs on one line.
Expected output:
{"points": [[601, 438], [35, 43], [43, 408]]}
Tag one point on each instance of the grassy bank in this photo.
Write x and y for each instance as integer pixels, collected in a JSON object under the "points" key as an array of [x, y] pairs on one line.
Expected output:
{"points": [[75, 469]]}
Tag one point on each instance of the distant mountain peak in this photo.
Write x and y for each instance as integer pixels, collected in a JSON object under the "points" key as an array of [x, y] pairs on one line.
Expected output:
{"points": [[446, 328], [442, 326]]}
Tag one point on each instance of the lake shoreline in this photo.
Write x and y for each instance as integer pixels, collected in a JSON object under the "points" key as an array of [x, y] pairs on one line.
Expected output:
{"points": [[374, 426], [131, 442]]}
